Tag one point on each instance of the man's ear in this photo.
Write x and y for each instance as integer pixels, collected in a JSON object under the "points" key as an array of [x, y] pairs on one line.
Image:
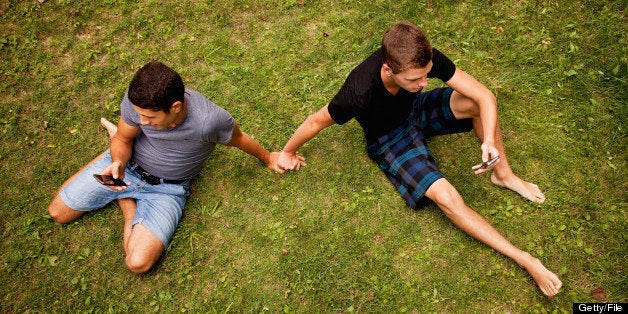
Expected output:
{"points": [[387, 69], [176, 107]]}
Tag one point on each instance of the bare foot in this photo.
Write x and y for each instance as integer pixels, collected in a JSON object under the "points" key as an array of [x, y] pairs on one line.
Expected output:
{"points": [[547, 281], [526, 189], [111, 128]]}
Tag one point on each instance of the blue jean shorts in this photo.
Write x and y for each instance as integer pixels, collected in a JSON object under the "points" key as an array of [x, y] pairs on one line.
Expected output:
{"points": [[159, 207]]}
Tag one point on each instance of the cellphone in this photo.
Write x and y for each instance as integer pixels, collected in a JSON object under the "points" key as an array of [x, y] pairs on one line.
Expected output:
{"points": [[488, 163], [109, 180]]}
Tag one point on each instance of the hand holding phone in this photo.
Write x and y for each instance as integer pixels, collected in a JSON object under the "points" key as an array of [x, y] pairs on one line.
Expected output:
{"points": [[486, 164], [109, 180]]}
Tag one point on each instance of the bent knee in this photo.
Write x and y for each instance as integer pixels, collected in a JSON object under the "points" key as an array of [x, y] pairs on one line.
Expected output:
{"points": [[465, 107], [61, 213], [54, 213], [444, 195], [142, 253], [138, 265]]}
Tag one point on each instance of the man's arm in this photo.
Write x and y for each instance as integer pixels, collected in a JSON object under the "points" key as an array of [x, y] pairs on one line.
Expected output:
{"points": [[288, 159], [469, 87], [247, 144], [121, 148]]}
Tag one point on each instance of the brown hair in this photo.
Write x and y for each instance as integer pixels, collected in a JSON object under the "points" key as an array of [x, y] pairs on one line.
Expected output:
{"points": [[405, 46], [156, 86]]}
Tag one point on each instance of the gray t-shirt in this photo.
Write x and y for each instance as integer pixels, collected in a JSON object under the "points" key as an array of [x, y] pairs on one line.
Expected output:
{"points": [[179, 153]]}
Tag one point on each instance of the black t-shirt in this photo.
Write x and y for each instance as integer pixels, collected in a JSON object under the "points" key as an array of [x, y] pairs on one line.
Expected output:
{"points": [[365, 98]]}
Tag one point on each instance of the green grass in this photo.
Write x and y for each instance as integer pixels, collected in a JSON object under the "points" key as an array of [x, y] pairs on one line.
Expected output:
{"points": [[334, 237]]}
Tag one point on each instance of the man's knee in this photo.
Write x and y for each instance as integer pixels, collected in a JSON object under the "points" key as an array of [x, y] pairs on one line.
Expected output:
{"points": [[465, 107], [54, 212], [60, 212], [143, 251], [445, 196], [142, 260], [138, 264]]}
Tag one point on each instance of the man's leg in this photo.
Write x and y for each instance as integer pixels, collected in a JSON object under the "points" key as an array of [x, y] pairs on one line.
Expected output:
{"points": [[57, 209], [451, 203], [141, 246], [502, 175], [61, 212], [143, 250], [128, 208]]}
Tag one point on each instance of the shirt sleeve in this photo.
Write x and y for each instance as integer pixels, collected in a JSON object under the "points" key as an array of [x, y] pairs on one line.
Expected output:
{"points": [[443, 68], [130, 116], [340, 107], [218, 122], [224, 131]]}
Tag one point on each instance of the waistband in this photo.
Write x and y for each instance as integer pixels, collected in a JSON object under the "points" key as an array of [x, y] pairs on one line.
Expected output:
{"points": [[149, 178]]}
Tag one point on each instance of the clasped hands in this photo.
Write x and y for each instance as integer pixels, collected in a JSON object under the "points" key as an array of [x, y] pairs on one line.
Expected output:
{"points": [[289, 161]]}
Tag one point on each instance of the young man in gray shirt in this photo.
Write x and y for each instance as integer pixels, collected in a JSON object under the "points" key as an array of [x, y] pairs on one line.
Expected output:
{"points": [[162, 139]]}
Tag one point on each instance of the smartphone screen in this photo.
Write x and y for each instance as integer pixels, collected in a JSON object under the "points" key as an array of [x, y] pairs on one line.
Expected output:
{"points": [[109, 180]]}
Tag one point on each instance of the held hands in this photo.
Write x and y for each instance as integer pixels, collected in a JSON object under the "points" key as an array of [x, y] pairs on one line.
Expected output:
{"points": [[272, 162], [490, 158], [289, 161]]}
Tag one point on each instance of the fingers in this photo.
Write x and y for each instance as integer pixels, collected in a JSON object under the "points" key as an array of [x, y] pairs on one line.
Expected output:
{"points": [[292, 165], [484, 167], [113, 170], [477, 169], [115, 173], [279, 170], [489, 152], [287, 162]]}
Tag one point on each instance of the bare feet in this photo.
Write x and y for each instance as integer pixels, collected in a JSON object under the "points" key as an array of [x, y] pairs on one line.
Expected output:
{"points": [[547, 281], [526, 189], [111, 128]]}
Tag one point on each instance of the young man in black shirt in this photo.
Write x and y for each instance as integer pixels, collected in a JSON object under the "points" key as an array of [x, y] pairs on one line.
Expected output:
{"points": [[384, 94]]}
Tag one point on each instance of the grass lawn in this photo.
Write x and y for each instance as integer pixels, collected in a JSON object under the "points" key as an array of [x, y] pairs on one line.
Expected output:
{"points": [[335, 236]]}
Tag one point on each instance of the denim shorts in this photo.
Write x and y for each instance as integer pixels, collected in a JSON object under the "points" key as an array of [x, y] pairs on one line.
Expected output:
{"points": [[159, 207]]}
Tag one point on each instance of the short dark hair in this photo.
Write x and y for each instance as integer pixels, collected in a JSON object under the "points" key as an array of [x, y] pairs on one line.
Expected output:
{"points": [[156, 86], [405, 46]]}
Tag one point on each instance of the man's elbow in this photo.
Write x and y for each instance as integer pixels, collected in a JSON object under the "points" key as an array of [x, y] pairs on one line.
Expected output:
{"points": [[317, 121]]}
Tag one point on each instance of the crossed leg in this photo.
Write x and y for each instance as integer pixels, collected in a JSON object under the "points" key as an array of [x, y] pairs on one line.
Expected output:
{"points": [[141, 246]]}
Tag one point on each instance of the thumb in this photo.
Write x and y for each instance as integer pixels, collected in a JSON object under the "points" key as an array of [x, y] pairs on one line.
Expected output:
{"points": [[115, 170], [278, 169]]}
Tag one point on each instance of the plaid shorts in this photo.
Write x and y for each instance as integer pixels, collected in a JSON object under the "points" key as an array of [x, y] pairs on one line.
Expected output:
{"points": [[403, 155]]}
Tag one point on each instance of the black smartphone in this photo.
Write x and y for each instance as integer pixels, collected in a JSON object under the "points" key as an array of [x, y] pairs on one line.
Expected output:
{"points": [[488, 163], [109, 180]]}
